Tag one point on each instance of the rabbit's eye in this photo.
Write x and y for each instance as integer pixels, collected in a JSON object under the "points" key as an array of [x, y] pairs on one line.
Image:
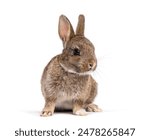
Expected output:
{"points": [[76, 51]]}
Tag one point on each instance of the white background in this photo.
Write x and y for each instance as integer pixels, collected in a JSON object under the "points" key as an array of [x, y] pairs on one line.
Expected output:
{"points": [[120, 31]]}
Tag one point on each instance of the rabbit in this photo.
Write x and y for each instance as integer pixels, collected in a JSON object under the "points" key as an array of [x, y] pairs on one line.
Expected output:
{"points": [[66, 82]]}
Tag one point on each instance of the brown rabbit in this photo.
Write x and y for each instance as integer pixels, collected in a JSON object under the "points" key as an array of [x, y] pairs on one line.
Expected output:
{"points": [[66, 81]]}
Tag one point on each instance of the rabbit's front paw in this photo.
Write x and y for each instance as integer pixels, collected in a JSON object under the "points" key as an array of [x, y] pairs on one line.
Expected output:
{"points": [[80, 112], [46, 113]]}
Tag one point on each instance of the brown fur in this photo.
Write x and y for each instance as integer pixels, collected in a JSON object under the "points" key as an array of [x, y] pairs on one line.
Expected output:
{"points": [[65, 82], [80, 26]]}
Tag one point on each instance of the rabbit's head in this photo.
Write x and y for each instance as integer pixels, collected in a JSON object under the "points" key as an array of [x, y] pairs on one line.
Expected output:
{"points": [[78, 55]]}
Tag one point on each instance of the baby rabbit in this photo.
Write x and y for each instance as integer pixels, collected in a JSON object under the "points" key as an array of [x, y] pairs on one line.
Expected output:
{"points": [[66, 82]]}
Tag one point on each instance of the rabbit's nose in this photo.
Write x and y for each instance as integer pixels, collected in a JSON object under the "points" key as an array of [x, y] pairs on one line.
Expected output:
{"points": [[90, 65]]}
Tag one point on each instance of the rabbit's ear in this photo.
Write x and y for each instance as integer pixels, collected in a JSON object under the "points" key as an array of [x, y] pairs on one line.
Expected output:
{"points": [[65, 29], [80, 26]]}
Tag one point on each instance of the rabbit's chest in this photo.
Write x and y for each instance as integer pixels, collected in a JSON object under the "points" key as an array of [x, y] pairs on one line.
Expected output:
{"points": [[69, 88], [72, 84]]}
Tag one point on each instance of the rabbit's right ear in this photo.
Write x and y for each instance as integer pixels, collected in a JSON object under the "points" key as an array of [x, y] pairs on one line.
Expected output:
{"points": [[80, 26], [65, 29]]}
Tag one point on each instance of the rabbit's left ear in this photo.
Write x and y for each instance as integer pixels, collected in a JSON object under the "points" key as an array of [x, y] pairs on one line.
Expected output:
{"points": [[65, 29], [80, 26]]}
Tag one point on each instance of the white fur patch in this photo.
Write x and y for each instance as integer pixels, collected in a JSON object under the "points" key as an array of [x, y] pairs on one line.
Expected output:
{"points": [[81, 112], [72, 71], [63, 101]]}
